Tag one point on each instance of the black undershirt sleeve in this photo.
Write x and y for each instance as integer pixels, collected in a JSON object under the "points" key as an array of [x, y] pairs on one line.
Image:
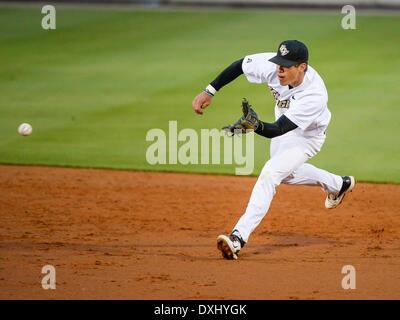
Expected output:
{"points": [[228, 75], [278, 128], [268, 130]]}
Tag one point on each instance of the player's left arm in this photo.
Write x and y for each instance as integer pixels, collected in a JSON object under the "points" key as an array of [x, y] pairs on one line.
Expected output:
{"points": [[276, 129], [250, 121]]}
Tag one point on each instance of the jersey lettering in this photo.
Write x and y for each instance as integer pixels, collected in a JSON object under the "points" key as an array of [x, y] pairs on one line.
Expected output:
{"points": [[279, 103]]}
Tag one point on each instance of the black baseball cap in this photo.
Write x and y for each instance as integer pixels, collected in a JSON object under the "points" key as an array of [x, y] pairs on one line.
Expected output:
{"points": [[290, 53]]}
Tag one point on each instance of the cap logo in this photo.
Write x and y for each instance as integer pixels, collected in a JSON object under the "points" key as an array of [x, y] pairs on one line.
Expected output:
{"points": [[284, 51]]}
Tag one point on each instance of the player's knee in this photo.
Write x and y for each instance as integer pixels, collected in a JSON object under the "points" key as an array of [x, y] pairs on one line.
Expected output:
{"points": [[270, 177]]}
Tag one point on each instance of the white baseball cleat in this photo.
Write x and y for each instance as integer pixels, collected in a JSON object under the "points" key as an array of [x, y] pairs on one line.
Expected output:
{"points": [[229, 247], [333, 200]]}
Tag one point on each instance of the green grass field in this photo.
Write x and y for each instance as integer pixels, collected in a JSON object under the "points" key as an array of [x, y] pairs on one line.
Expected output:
{"points": [[93, 87]]}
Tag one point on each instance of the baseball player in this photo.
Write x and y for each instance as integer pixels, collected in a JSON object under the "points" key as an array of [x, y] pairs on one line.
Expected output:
{"points": [[302, 117]]}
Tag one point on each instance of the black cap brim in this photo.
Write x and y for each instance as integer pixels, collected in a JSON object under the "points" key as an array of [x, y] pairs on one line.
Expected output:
{"points": [[283, 62]]}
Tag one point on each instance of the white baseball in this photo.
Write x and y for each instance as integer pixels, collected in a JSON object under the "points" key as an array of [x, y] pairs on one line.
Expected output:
{"points": [[25, 129]]}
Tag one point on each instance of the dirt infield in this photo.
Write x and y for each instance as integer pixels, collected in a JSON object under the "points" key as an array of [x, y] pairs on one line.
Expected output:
{"points": [[139, 235]]}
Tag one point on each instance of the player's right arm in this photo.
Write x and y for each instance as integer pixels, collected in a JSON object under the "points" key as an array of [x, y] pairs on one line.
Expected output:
{"points": [[203, 100], [256, 68]]}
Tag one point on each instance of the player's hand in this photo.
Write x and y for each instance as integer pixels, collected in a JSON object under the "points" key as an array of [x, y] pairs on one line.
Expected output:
{"points": [[201, 102], [249, 121]]}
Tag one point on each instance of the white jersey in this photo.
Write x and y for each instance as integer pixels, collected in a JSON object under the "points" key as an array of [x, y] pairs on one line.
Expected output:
{"points": [[305, 105]]}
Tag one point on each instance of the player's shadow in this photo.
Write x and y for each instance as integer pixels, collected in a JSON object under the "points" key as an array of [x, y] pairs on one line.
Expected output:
{"points": [[193, 251], [275, 241]]}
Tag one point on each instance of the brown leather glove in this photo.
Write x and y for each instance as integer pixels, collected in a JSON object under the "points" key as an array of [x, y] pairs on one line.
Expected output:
{"points": [[249, 120]]}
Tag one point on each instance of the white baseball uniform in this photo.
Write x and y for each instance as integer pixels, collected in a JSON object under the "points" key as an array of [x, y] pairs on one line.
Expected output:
{"points": [[306, 106]]}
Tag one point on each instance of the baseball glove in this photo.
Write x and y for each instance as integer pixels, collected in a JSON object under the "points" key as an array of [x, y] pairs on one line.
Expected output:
{"points": [[249, 120]]}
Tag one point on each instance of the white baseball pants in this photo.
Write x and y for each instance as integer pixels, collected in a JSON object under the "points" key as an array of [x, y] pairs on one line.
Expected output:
{"points": [[286, 165]]}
